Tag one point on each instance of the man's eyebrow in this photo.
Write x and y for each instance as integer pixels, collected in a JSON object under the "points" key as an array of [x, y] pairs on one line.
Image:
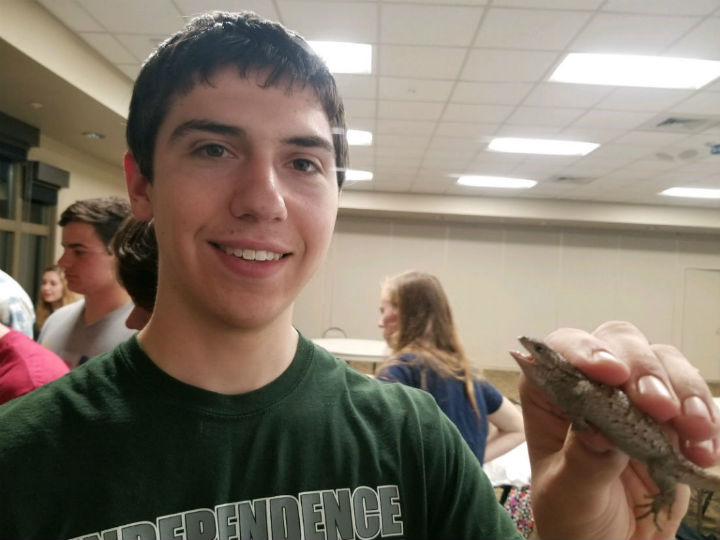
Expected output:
{"points": [[206, 125], [310, 141], [75, 245]]}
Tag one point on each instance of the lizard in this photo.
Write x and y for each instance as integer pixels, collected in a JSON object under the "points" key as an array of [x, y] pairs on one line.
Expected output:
{"points": [[608, 409]]}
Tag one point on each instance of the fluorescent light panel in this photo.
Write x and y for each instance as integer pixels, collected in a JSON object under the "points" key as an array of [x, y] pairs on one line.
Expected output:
{"points": [[694, 193], [496, 182], [634, 70], [541, 146], [357, 137], [344, 57], [358, 176]]}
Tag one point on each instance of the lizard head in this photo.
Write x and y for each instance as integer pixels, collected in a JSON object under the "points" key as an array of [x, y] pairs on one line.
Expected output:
{"points": [[539, 364]]}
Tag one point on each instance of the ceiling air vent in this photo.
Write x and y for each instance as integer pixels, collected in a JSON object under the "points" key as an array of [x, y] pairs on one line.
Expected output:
{"points": [[685, 123]]}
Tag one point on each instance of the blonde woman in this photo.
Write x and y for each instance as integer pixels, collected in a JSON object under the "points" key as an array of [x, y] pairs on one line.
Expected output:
{"points": [[54, 294], [417, 323]]}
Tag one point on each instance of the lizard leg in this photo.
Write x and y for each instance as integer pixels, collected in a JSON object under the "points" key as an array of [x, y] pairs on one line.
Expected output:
{"points": [[666, 492]]}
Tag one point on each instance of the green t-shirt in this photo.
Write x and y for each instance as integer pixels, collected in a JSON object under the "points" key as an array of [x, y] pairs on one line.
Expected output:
{"points": [[118, 449]]}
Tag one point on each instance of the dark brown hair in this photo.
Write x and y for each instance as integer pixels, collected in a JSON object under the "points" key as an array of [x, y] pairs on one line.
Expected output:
{"points": [[136, 251], [105, 214], [214, 41]]}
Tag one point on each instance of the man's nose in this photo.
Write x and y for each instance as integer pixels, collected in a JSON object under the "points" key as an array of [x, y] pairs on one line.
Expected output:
{"points": [[64, 260], [259, 192]]}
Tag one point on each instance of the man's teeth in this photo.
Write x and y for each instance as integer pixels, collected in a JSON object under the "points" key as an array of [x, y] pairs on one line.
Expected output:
{"points": [[252, 254]]}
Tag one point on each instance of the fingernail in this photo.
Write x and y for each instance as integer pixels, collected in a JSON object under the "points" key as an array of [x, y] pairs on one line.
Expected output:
{"points": [[651, 385], [603, 356], [695, 406], [708, 445]]}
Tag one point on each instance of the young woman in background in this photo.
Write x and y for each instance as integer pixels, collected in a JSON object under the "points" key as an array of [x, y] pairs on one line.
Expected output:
{"points": [[54, 294], [418, 326]]}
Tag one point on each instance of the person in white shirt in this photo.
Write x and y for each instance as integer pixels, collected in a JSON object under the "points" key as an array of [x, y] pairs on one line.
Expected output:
{"points": [[96, 324]]}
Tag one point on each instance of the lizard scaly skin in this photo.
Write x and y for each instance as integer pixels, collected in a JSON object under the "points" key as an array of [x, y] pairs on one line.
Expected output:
{"points": [[611, 412]]}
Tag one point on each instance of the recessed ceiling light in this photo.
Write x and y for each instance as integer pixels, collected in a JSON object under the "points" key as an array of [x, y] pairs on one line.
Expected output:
{"points": [[357, 137], [496, 182], [344, 57], [541, 146], [36, 105], [695, 193], [93, 135], [358, 176], [634, 70]]}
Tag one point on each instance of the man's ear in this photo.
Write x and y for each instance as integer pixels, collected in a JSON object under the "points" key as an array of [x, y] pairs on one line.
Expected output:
{"points": [[139, 189]]}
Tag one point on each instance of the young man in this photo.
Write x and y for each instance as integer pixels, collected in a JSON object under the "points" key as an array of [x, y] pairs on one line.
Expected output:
{"points": [[219, 420], [96, 324]]}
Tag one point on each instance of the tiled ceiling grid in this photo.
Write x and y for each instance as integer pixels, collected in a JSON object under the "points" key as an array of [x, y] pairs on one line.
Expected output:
{"points": [[449, 75]]}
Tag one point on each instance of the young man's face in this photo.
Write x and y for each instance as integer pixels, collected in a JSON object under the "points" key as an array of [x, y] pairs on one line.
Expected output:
{"points": [[89, 267], [244, 199]]}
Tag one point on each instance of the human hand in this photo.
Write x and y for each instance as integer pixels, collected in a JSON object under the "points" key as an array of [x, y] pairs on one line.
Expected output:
{"points": [[583, 486]]}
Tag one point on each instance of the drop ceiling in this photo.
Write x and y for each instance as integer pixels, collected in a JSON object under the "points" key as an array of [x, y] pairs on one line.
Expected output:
{"points": [[450, 75]]}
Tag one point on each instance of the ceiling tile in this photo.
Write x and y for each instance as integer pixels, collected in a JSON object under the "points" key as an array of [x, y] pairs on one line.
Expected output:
{"points": [[331, 21], [631, 34], [498, 93], [397, 153], [359, 108], [702, 103], [356, 86], [590, 134], [140, 46], [405, 110], [527, 130], [554, 94], [649, 139], [461, 129], [109, 47], [551, 4], [72, 15], [395, 140], [421, 62], [518, 29], [476, 113], [410, 24], [662, 7], [612, 119], [507, 66], [642, 99], [442, 2], [414, 89], [701, 42], [405, 126], [544, 116], [135, 16]]}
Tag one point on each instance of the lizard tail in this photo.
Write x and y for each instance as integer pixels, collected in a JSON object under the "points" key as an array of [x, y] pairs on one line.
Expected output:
{"points": [[697, 477]]}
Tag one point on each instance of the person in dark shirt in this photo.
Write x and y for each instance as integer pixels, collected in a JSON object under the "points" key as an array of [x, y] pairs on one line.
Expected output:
{"points": [[417, 323]]}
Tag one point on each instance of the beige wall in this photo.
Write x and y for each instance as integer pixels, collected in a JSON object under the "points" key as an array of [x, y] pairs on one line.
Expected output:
{"points": [[88, 177], [504, 281]]}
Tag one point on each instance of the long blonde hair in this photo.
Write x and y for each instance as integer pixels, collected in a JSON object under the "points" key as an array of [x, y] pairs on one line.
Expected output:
{"points": [[426, 329], [43, 308]]}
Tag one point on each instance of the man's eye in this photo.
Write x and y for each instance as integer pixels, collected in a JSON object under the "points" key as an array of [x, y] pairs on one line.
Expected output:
{"points": [[305, 165], [213, 150]]}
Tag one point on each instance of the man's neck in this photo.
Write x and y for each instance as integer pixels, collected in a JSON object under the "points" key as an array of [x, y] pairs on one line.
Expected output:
{"points": [[223, 360], [99, 303]]}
